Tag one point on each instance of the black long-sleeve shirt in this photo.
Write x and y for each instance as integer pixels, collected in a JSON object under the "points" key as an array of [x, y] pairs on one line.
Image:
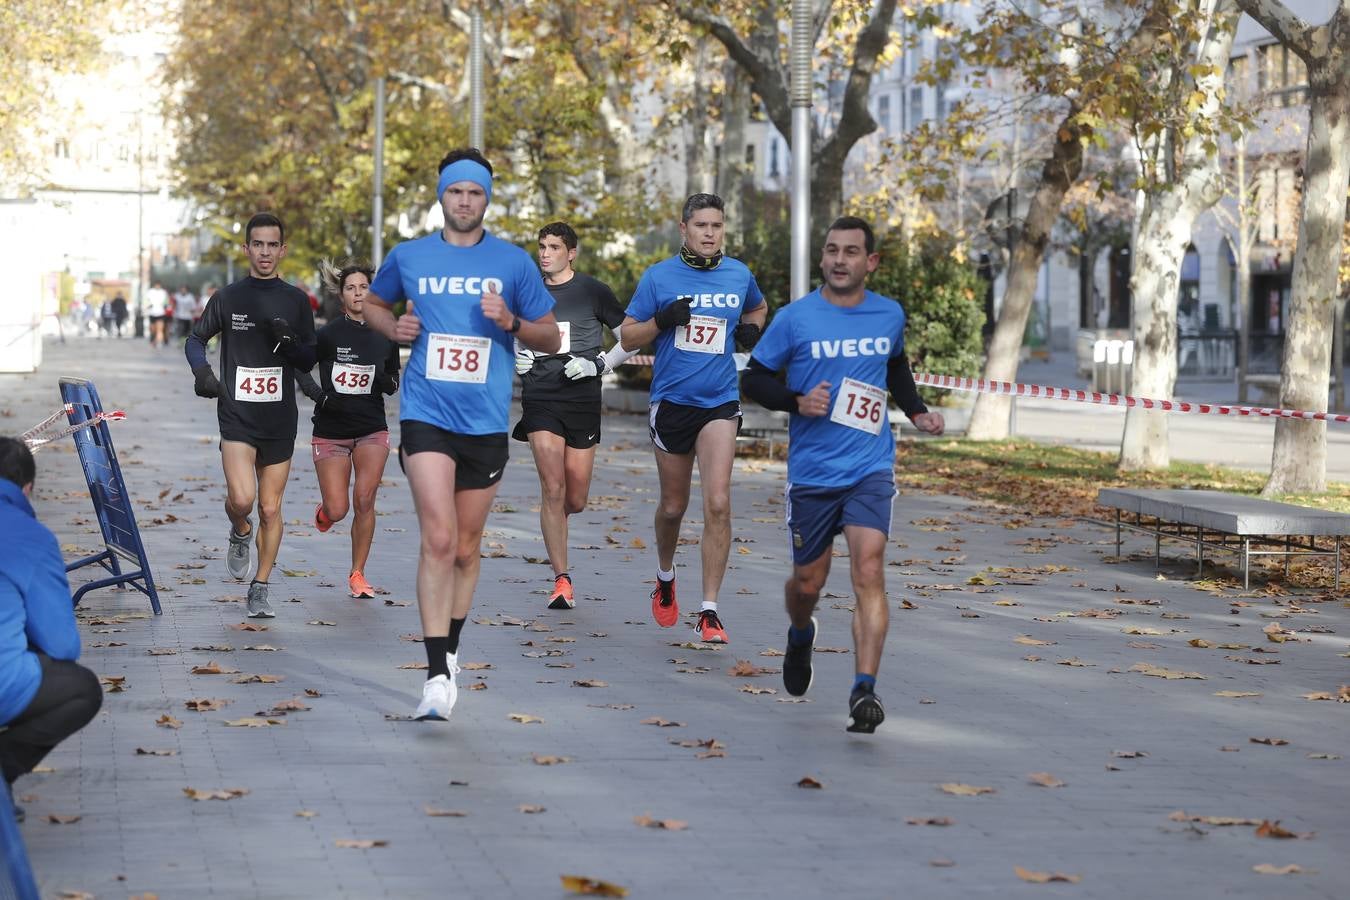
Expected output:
{"points": [[348, 401]]}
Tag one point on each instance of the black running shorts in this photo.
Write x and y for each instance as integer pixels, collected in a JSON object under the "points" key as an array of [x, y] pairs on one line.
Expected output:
{"points": [[479, 459], [270, 451], [674, 427], [578, 424]]}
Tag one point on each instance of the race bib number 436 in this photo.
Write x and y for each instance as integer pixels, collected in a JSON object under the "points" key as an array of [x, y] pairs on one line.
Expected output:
{"points": [[257, 385], [458, 357], [860, 405], [703, 334], [351, 379]]}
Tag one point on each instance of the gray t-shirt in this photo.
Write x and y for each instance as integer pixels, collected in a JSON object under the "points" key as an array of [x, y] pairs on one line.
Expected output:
{"points": [[581, 305]]}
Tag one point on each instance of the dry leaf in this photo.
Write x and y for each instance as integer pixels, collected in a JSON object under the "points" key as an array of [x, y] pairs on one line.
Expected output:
{"points": [[940, 821], [1268, 869], [1162, 672], [530, 808], [744, 668], [59, 819], [1200, 643], [1217, 821], [475, 666], [941, 863], [1045, 877], [594, 887], [114, 684], [1237, 693], [249, 626], [1075, 662], [1277, 635], [809, 782], [213, 668], [162, 651], [204, 704], [331, 625], [965, 790], [646, 821], [1138, 630], [1269, 741], [1269, 829], [590, 683], [359, 845], [263, 648], [444, 813], [257, 679], [253, 722], [305, 814], [142, 751], [1045, 779], [524, 718], [168, 721], [1323, 756], [661, 723], [550, 760], [1031, 641], [217, 794], [754, 689]]}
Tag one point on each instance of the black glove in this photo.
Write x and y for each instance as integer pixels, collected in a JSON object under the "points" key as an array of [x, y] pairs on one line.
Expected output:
{"points": [[282, 332], [747, 334], [676, 313], [205, 383], [386, 384]]}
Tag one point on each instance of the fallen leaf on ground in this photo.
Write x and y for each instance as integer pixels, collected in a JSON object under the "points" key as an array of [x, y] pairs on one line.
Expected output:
{"points": [[744, 668], [1031, 641], [1323, 756], [1163, 672], [524, 718], [168, 721], [530, 808], [348, 844], [257, 679], [216, 794], [204, 704], [413, 665], [292, 705], [1237, 693], [590, 683], [215, 648], [1269, 741], [1045, 779], [550, 760], [1269, 829], [322, 622], [253, 722], [142, 751], [1200, 643], [646, 821], [1218, 821], [594, 887], [940, 821], [809, 782], [942, 863], [475, 666], [1045, 877], [1269, 869], [59, 819], [965, 790], [1075, 662], [1135, 629], [755, 689], [161, 651], [1277, 635], [249, 626], [114, 684], [305, 814], [213, 668], [444, 813], [661, 723]]}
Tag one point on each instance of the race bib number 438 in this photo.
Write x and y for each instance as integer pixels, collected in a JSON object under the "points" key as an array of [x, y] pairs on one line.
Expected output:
{"points": [[257, 385], [860, 405], [458, 357], [703, 334], [351, 379]]}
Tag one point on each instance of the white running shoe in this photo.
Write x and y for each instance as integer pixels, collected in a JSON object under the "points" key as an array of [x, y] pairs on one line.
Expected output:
{"points": [[438, 697]]}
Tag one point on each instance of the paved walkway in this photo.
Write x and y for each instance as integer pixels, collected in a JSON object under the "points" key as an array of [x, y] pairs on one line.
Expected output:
{"points": [[985, 684]]}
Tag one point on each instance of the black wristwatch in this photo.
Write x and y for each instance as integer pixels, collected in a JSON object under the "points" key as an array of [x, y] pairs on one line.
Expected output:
{"points": [[515, 325]]}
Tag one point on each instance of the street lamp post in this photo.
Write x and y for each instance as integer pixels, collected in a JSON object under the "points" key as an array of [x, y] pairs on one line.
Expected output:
{"points": [[801, 47]]}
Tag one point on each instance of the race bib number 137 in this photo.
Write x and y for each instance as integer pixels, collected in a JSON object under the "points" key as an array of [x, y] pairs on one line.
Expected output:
{"points": [[703, 334], [261, 385], [458, 357], [860, 405]]}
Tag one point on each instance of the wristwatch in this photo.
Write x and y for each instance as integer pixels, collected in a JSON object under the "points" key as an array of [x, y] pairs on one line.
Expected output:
{"points": [[515, 325]]}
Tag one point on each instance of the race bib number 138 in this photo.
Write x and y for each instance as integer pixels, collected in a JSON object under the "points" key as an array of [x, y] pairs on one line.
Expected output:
{"points": [[860, 405], [458, 357], [262, 385]]}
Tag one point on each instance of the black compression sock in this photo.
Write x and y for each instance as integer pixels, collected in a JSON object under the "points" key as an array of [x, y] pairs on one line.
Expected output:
{"points": [[436, 648], [456, 626]]}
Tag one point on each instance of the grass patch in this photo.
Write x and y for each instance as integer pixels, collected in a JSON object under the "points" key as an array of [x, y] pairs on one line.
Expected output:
{"points": [[1051, 480]]}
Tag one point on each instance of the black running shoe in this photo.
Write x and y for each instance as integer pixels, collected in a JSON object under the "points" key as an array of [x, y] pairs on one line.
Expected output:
{"points": [[864, 711], [797, 672]]}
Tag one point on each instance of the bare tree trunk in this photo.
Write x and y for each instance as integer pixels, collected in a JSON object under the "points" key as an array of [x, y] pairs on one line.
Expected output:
{"points": [[731, 171], [1299, 457], [1165, 225], [1243, 289], [695, 160]]}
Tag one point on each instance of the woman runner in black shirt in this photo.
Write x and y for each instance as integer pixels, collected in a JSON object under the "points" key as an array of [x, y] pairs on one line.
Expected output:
{"points": [[356, 366]]}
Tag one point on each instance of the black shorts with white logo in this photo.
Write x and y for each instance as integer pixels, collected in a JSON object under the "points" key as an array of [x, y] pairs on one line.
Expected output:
{"points": [[479, 459], [674, 427], [578, 424]]}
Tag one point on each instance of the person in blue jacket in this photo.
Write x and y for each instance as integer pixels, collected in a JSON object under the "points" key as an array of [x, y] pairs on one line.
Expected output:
{"points": [[45, 696]]}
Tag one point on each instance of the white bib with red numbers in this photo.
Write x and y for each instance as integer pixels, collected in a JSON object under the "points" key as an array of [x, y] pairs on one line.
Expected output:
{"points": [[860, 405], [257, 385], [458, 357], [351, 379], [703, 334]]}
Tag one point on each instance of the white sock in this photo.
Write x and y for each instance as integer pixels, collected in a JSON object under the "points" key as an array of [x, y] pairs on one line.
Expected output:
{"points": [[664, 574], [708, 604]]}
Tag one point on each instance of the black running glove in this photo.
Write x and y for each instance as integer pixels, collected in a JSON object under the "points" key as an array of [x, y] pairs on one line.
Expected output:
{"points": [[386, 384], [676, 313], [747, 335], [282, 332], [205, 383]]}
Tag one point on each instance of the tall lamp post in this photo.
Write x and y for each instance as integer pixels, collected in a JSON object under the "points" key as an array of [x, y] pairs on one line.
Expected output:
{"points": [[476, 76], [801, 48]]}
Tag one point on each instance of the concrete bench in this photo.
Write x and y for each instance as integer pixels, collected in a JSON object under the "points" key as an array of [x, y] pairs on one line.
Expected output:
{"points": [[1233, 523]]}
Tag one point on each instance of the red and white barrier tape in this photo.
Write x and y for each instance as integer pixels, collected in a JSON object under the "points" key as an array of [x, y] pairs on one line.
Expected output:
{"points": [[36, 443], [1016, 389]]}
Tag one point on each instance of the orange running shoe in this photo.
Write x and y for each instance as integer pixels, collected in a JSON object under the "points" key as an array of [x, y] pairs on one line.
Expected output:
{"points": [[321, 522], [359, 587], [562, 593], [665, 610], [710, 629]]}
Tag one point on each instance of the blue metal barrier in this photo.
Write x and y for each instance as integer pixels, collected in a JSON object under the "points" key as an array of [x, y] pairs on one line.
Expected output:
{"points": [[16, 876], [112, 503]]}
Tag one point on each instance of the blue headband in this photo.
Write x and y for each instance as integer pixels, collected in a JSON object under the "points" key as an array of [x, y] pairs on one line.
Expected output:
{"points": [[464, 170]]}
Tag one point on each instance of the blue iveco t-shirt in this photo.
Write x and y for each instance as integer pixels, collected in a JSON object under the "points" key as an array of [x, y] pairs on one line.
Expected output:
{"points": [[694, 363], [850, 347], [459, 375]]}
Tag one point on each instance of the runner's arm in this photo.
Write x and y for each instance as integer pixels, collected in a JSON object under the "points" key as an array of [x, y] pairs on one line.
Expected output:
{"points": [[308, 386], [379, 316], [616, 356], [540, 334], [388, 379], [900, 381], [761, 385], [207, 327]]}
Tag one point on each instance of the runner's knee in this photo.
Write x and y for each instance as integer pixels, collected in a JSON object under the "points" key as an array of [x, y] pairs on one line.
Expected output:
{"points": [[574, 505], [716, 507], [438, 545], [269, 511], [363, 503], [337, 510]]}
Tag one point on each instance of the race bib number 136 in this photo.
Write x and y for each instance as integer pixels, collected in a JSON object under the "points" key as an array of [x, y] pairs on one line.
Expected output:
{"points": [[261, 385], [458, 357], [860, 405]]}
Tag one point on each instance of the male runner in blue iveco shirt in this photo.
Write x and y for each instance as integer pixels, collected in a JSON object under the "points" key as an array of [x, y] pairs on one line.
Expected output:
{"points": [[468, 294], [843, 349], [696, 306]]}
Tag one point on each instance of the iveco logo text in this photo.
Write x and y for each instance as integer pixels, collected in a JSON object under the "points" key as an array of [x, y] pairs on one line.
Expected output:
{"points": [[712, 301], [430, 284], [880, 346]]}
